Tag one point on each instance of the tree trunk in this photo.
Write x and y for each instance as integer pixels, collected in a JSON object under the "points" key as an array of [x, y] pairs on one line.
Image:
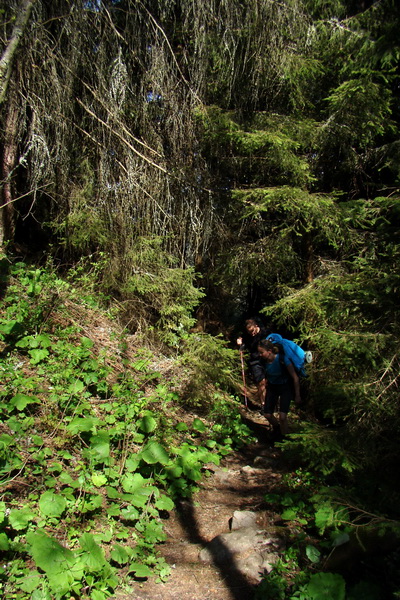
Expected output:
{"points": [[308, 254], [8, 161], [7, 57], [8, 158]]}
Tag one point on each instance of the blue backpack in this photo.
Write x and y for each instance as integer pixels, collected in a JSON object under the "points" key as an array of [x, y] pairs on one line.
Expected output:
{"points": [[293, 352]]}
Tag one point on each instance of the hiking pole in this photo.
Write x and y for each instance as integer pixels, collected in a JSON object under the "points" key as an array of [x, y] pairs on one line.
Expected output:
{"points": [[244, 379]]}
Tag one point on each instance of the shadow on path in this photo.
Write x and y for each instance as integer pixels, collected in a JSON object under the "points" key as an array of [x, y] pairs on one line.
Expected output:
{"points": [[239, 587]]}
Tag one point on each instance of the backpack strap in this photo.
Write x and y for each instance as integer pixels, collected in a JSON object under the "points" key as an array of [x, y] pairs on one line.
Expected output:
{"points": [[281, 355]]}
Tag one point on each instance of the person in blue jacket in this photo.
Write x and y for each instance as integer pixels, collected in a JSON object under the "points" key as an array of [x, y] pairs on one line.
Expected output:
{"points": [[283, 386]]}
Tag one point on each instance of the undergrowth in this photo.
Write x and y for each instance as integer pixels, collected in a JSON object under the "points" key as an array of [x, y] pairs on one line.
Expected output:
{"points": [[334, 549], [95, 447], [100, 437]]}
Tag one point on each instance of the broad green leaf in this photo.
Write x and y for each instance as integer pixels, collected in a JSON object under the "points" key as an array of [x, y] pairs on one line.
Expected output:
{"points": [[174, 471], [40, 594], [132, 482], [92, 502], [181, 427], [30, 582], [147, 424], [119, 554], [100, 445], [44, 340], [114, 510], [51, 504], [2, 511], [34, 288], [50, 482], [92, 555], [98, 479], [61, 582], [98, 595], [86, 343], [164, 503], [198, 425], [65, 454], [55, 467], [153, 532], [37, 355], [19, 519], [137, 487], [65, 478], [76, 387], [81, 424], [105, 536], [192, 472], [185, 451], [6, 441], [68, 493], [313, 553], [289, 515], [7, 328], [54, 559], [204, 455], [326, 586], [130, 513], [25, 342], [140, 571], [112, 492], [190, 464], [132, 462], [155, 453], [35, 341], [21, 401], [4, 542]]}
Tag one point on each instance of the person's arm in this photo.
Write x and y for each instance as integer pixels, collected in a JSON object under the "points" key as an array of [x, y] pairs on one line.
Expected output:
{"points": [[296, 382]]}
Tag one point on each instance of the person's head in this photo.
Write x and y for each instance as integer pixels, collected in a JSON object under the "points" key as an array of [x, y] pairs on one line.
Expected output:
{"points": [[252, 326], [267, 350]]}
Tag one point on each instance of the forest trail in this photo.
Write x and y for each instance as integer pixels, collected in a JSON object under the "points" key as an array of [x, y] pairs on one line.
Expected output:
{"points": [[239, 483]]}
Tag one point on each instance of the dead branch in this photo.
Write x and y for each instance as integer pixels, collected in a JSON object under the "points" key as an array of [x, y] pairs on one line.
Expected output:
{"points": [[7, 57]]}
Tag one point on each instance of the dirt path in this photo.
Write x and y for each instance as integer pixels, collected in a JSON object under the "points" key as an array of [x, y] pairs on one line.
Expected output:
{"points": [[238, 484]]}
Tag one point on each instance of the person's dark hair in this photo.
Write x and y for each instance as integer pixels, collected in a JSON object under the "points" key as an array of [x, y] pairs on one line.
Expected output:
{"points": [[268, 345], [251, 322]]}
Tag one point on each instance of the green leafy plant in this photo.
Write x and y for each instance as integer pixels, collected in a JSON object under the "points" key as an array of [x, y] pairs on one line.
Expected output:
{"points": [[321, 586], [98, 452]]}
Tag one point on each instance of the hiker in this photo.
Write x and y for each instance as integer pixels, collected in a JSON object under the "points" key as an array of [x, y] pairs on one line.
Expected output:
{"points": [[251, 338], [282, 385]]}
